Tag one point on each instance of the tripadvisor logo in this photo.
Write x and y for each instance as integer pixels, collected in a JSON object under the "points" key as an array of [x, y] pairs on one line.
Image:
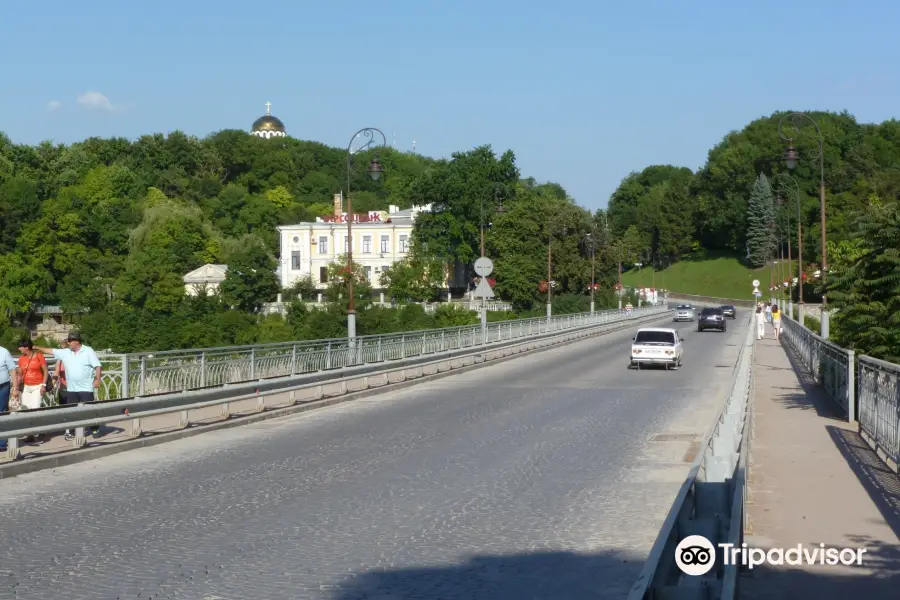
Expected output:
{"points": [[695, 555]]}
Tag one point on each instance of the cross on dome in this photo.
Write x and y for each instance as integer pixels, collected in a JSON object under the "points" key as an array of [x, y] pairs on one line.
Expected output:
{"points": [[268, 108]]}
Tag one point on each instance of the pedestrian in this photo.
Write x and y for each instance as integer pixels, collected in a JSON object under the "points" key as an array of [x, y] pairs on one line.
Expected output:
{"points": [[9, 384], [33, 374], [768, 312], [776, 321], [82, 370], [760, 323], [33, 371]]}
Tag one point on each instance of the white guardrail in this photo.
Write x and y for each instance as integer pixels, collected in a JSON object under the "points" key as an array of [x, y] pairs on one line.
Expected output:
{"points": [[147, 373], [432, 357], [711, 502]]}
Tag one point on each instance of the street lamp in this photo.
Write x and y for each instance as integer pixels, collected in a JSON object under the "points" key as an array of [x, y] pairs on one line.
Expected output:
{"points": [[375, 169], [550, 272], [591, 239], [800, 316], [791, 157], [499, 191]]}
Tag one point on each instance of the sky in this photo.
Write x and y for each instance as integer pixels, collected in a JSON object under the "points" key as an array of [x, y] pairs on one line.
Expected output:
{"points": [[584, 92]]}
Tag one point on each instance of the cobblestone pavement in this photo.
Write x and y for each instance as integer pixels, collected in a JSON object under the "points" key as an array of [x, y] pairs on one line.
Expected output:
{"points": [[534, 478]]}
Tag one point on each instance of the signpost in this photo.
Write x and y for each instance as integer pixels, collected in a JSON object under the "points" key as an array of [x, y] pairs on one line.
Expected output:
{"points": [[756, 291], [484, 267]]}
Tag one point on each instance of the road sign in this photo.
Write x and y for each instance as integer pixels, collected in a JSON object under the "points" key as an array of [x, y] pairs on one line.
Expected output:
{"points": [[756, 283], [484, 266], [483, 290]]}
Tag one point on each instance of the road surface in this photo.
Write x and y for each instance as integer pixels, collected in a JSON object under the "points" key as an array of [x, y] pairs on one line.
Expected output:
{"points": [[533, 478]]}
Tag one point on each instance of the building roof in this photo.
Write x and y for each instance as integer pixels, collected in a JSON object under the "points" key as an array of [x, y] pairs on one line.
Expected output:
{"points": [[267, 122], [208, 273]]}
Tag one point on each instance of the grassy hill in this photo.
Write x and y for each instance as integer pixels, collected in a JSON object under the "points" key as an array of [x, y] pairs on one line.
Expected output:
{"points": [[720, 277]]}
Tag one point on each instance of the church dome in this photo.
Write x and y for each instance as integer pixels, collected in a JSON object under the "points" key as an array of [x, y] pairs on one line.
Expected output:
{"points": [[268, 126]]}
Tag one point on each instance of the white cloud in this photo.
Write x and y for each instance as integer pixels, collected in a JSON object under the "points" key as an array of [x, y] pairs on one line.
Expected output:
{"points": [[95, 101], [54, 105]]}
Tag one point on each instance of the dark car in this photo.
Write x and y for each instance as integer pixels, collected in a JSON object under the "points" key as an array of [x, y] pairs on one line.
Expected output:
{"points": [[729, 311], [711, 318]]}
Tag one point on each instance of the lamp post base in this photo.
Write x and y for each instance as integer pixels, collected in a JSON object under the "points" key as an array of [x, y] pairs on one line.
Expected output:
{"points": [[351, 327], [549, 312], [592, 307], [483, 321], [801, 314], [825, 323]]}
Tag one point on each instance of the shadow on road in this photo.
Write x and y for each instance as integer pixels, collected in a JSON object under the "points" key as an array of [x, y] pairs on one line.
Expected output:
{"points": [[538, 576]]}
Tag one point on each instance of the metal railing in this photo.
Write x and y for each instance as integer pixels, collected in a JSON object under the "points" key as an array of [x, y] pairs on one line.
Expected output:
{"points": [[711, 502], [149, 373], [320, 385], [831, 366], [879, 404]]}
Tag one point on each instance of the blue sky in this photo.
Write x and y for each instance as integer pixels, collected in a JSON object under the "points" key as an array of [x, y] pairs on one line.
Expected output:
{"points": [[583, 91]]}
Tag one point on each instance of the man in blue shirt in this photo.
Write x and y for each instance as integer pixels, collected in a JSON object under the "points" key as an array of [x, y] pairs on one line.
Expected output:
{"points": [[82, 369], [9, 383]]}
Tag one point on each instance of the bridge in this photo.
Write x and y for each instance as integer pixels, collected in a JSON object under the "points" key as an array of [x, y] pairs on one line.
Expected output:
{"points": [[525, 463]]}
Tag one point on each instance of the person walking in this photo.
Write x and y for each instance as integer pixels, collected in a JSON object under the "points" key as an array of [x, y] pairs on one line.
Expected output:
{"points": [[83, 372], [33, 373], [776, 321], [9, 384], [760, 323]]}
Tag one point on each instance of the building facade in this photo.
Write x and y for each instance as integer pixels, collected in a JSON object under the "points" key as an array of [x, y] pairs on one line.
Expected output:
{"points": [[380, 239], [205, 279]]}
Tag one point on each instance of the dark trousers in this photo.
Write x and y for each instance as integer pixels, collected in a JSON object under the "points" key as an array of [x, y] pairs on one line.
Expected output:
{"points": [[5, 389], [75, 397]]}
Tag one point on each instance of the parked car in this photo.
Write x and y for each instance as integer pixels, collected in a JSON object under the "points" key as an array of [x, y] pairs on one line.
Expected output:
{"points": [[684, 312], [711, 318], [656, 346], [729, 311]]}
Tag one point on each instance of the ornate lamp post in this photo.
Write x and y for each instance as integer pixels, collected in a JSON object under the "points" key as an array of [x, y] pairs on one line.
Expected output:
{"points": [[374, 170], [550, 272], [800, 316], [499, 191], [791, 156]]}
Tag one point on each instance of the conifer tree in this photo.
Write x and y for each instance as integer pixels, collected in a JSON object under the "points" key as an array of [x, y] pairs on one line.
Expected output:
{"points": [[760, 221]]}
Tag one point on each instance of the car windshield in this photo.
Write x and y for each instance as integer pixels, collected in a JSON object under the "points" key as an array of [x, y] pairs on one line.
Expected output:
{"points": [[711, 311], [655, 337], [684, 307]]}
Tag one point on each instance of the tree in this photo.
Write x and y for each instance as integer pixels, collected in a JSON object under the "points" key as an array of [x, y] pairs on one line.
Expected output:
{"points": [[339, 277], [416, 278], [864, 284], [760, 222], [250, 280]]}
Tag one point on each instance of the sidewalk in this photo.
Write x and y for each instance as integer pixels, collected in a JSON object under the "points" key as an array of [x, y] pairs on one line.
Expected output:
{"points": [[814, 480]]}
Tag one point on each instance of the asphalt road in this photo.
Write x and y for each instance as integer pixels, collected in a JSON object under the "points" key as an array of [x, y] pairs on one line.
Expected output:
{"points": [[534, 478]]}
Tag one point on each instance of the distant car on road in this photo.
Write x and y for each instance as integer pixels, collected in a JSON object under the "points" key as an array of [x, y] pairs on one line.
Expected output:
{"points": [[656, 346], [711, 318], [729, 311], [684, 312]]}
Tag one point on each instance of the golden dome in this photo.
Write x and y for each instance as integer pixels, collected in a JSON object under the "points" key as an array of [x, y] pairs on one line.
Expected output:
{"points": [[268, 124]]}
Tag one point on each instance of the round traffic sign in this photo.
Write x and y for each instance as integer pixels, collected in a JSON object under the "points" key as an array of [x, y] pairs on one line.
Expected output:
{"points": [[756, 283], [484, 266]]}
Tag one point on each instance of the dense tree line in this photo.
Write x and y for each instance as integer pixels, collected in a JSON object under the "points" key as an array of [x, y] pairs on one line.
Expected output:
{"points": [[732, 203], [106, 228]]}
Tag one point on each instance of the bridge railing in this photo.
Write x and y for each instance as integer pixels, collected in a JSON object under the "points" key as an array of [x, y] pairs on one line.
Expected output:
{"points": [[150, 373], [291, 390], [711, 502], [879, 405], [831, 366]]}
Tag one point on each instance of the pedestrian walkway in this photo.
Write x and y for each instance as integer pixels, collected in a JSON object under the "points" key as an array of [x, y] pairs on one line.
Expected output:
{"points": [[814, 480]]}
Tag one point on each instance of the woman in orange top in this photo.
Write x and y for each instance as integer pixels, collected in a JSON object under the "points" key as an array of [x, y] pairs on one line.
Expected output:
{"points": [[33, 371]]}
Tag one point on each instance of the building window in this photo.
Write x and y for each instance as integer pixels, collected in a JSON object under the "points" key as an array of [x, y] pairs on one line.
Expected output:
{"points": [[296, 239], [385, 241], [404, 244], [368, 271], [323, 274], [385, 268], [367, 244], [323, 245], [295, 260]]}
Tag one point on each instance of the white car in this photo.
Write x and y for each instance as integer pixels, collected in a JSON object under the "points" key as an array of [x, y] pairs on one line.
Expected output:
{"points": [[684, 312], [656, 346]]}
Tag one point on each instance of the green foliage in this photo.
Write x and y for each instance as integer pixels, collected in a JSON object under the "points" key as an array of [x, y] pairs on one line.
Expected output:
{"points": [[864, 284], [250, 280], [416, 278], [760, 222]]}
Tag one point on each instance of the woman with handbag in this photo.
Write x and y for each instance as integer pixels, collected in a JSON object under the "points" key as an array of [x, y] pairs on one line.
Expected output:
{"points": [[33, 374]]}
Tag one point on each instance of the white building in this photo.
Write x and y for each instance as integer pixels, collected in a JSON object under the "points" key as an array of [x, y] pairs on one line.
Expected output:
{"points": [[379, 240], [207, 277]]}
